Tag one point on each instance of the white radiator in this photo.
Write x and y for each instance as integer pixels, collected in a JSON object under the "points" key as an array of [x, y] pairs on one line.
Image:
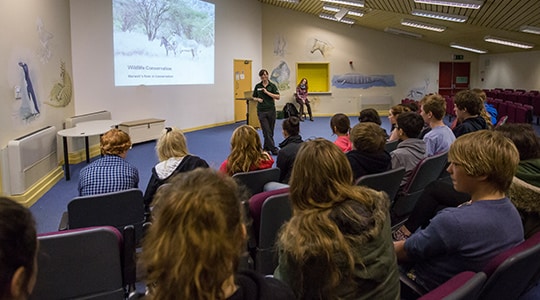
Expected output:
{"points": [[378, 102], [30, 158], [77, 144]]}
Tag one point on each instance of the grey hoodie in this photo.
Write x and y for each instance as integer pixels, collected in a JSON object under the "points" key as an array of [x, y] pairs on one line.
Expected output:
{"points": [[408, 154]]}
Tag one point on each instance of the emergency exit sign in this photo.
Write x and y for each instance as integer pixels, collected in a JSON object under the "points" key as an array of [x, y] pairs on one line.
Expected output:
{"points": [[458, 57]]}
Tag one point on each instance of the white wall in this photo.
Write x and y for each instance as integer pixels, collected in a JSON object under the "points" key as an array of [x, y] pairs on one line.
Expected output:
{"points": [[513, 70], [411, 61], [237, 31]]}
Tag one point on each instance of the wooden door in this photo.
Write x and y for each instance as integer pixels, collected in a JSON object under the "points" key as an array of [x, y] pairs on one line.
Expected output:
{"points": [[454, 77], [242, 84]]}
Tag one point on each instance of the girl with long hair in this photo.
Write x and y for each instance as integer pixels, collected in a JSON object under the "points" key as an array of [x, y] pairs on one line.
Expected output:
{"points": [[194, 245], [246, 152], [337, 244], [302, 99]]}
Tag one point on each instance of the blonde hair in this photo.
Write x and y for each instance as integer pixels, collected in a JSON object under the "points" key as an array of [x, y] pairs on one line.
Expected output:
{"points": [[246, 150], [196, 238], [321, 185], [114, 142], [171, 143], [483, 112], [368, 137], [486, 153], [434, 104]]}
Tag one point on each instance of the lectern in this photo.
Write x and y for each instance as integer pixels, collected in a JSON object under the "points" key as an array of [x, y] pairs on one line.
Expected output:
{"points": [[251, 115]]}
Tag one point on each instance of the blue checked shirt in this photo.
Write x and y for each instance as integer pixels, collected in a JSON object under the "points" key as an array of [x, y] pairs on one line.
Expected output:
{"points": [[108, 174]]}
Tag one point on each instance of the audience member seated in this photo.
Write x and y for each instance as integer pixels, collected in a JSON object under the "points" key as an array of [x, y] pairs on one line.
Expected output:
{"points": [[341, 125], [18, 250], [371, 115], [525, 189], [440, 137], [337, 244], [288, 148], [111, 172], [411, 150], [368, 155], [393, 113], [468, 107], [174, 158], [489, 113], [193, 248], [465, 238], [246, 152]]}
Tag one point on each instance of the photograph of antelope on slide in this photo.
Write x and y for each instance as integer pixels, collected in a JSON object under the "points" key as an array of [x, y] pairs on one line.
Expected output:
{"points": [[163, 42]]}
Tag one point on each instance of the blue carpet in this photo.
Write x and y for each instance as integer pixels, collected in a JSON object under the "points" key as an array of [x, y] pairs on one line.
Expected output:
{"points": [[211, 144]]}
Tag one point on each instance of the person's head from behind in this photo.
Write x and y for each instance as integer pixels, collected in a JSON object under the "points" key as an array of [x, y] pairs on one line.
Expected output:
{"points": [[246, 149], [433, 106], [395, 111], [193, 247], [171, 143], [480, 93], [409, 125], [291, 126], [524, 138], [18, 250], [340, 124], [369, 115], [115, 142], [320, 173], [486, 156], [467, 103], [368, 137]]}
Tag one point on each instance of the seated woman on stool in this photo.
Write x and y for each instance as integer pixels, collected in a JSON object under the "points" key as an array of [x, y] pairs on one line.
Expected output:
{"points": [[301, 98]]}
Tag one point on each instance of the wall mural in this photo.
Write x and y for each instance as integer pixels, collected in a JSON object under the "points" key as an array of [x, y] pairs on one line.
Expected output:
{"points": [[279, 45], [62, 91], [44, 36], [281, 76], [360, 81], [320, 47], [417, 93], [29, 105]]}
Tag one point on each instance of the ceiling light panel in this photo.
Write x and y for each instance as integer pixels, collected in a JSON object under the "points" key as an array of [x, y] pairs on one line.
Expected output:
{"points": [[402, 32], [473, 4], [506, 42], [530, 29], [333, 18], [466, 48], [291, 1], [422, 25], [337, 9], [356, 3], [439, 16]]}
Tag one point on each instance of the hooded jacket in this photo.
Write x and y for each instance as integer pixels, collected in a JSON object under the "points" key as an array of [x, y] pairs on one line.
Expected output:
{"points": [[287, 154], [525, 194], [408, 154], [470, 125], [363, 163]]}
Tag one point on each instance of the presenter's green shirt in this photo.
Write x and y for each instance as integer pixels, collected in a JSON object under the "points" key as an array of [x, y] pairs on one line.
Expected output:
{"points": [[268, 103]]}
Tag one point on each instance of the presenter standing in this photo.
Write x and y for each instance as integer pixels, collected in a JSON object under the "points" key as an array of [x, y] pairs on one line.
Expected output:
{"points": [[266, 93]]}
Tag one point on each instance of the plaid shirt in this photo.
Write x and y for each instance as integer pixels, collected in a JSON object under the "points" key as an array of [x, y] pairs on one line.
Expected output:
{"points": [[108, 174]]}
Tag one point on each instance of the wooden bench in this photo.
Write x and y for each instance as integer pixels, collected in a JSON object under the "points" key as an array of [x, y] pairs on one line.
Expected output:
{"points": [[143, 130]]}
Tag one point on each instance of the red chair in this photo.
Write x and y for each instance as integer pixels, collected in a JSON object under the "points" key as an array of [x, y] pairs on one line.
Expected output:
{"points": [[465, 285], [450, 107], [511, 111], [535, 101], [502, 109]]}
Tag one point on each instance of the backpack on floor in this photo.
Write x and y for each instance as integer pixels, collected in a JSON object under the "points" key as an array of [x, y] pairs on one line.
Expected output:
{"points": [[290, 110]]}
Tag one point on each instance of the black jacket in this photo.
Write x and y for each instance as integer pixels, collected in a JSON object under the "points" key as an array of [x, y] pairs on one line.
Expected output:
{"points": [[287, 154], [363, 163], [470, 125]]}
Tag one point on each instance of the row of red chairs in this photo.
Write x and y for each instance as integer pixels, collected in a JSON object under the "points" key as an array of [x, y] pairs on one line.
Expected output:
{"points": [[516, 111]]}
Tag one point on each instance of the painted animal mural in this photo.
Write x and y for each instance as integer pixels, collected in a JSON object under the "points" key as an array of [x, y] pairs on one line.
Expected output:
{"points": [[62, 91], [357, 80], [31, 107], [280, 76], [321, 46], [417, 93]]}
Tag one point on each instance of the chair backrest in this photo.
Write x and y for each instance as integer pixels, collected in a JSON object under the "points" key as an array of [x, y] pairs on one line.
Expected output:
{"points": [[463, 286], [255, 180], [511, 272], [118, 209], [82, 263], [255, 207], [427, 170], [276, 210], [388, 181]]}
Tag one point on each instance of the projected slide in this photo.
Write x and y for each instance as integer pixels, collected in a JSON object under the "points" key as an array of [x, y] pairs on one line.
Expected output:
{"points": [[163, 42]]}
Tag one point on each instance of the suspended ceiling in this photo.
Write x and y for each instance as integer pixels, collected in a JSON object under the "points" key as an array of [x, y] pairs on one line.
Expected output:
{"points": [[501, 18]]}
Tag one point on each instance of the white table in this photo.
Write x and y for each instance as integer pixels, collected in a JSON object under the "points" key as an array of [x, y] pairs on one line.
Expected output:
{"points": [[84, 129]]}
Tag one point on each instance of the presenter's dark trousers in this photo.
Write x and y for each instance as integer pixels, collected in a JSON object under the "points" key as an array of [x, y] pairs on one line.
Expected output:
{"points": [[268, 121]]}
